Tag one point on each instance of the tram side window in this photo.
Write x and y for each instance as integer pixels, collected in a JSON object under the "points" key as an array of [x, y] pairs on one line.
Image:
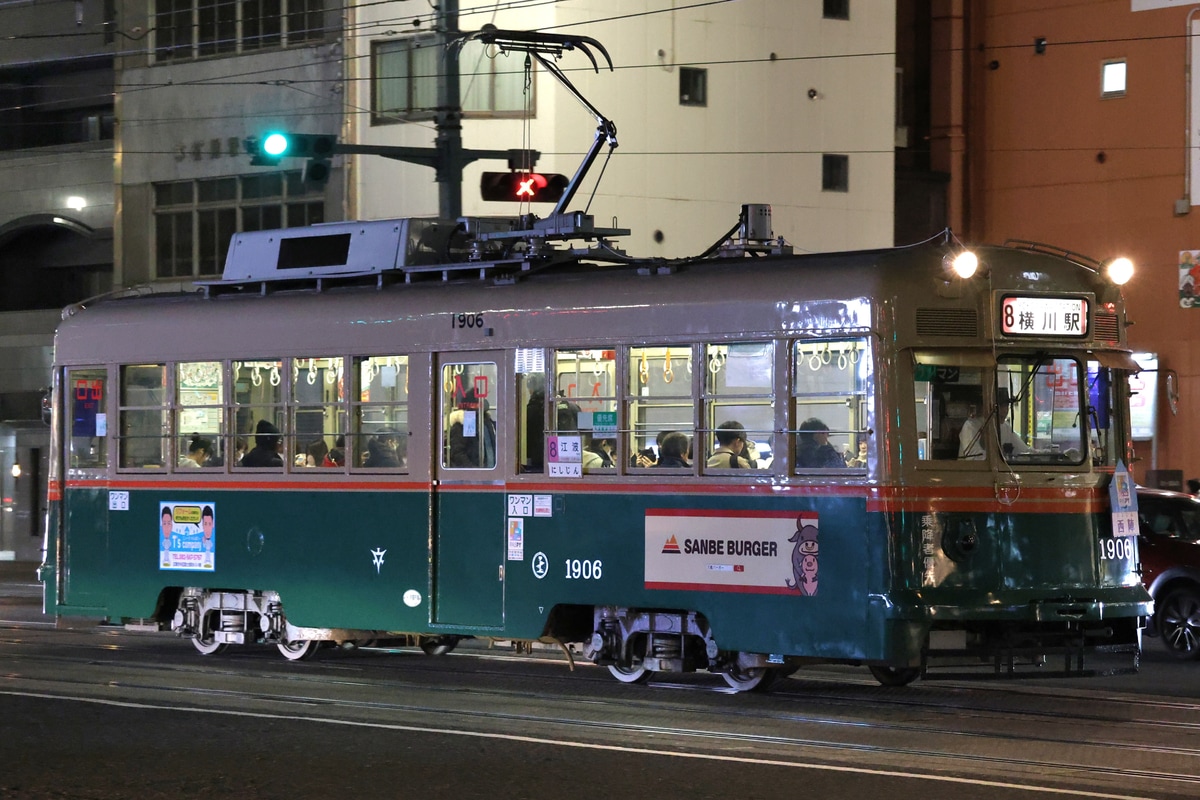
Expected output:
{"points": [[258, 411], [832, 381], [379, 439], [317, 409], [739, 390], [86, 391], [585, 383], [659, 402], [469, 415], [145, 438], [948, 400], [199, 414], [531, 405]]}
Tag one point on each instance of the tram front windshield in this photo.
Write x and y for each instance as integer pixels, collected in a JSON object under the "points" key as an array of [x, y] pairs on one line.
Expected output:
{"points": [[1038, 409]]}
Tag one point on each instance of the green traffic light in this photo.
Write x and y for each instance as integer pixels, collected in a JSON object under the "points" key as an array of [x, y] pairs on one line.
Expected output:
{"points": [[276, 144]]}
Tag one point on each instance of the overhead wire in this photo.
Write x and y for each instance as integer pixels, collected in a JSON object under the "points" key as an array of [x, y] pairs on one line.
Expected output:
{"points": [[249, 77]]}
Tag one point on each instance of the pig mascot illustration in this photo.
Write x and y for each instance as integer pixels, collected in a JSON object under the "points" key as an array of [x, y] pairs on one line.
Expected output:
{"points": [[804, 557]]}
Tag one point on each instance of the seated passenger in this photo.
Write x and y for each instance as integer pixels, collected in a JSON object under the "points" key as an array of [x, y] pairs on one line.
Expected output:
{"points": [[316, 453], [266, 447], [198, 452], [672, 451], [731, 441], [337, 456], [383, 450], [599, 454], [815, 451]]}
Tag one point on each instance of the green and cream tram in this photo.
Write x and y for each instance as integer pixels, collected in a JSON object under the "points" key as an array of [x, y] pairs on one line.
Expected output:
{"points": [[620, 456]]}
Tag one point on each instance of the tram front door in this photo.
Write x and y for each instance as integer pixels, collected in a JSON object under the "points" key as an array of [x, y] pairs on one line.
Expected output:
{"points": [[469, 500]]}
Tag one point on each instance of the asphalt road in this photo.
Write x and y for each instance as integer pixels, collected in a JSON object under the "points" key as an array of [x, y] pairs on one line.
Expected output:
{"points": [[103, 713]]}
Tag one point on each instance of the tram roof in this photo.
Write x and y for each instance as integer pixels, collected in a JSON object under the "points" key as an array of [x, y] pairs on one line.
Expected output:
{"points": [[565, 305]]}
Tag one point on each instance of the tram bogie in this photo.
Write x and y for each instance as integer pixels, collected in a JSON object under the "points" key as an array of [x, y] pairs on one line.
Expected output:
{"points": [[740, 465]]}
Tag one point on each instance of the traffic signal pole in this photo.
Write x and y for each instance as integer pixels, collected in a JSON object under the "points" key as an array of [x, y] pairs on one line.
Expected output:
{"points": [[448, 156]]}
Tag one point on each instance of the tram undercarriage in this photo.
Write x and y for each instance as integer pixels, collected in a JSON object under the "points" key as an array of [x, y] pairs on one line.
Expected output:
{"points": [[636, 644], [215, 619]]}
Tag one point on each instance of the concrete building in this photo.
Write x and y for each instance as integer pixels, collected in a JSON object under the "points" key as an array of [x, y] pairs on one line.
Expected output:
{"points": [[765, 101], [1078, 124], [56, 223]]}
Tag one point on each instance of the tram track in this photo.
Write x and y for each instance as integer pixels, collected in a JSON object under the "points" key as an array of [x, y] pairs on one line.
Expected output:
{"points": [[479, 706]]}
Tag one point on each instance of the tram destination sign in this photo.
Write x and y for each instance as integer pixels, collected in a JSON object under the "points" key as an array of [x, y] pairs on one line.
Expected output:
{"points": [[1039, 315]]}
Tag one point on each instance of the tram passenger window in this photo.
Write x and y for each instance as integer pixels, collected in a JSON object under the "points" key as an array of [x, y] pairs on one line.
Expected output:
{"points": [[199, 414], [832, 385], [86, 391], [469, 415], [948, 399], [739, 390], [317, 408], [259, 411], [380, 432], [145, 440], [658, 401], [585, 383]]}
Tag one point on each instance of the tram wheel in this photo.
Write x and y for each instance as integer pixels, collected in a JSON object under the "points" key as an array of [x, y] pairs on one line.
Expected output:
{"points": [[207, 645], [895, 676], [749, 680], [438, 645], [300, 650], [637, 674], [1179, 623]]}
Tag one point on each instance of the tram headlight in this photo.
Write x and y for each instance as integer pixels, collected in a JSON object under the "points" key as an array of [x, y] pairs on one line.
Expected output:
{"points": [[1119, 270], [964, 264]]}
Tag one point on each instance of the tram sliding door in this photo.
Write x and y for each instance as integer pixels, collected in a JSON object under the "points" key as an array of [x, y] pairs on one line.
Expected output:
{"points": [[469, 505], [83, 560]]}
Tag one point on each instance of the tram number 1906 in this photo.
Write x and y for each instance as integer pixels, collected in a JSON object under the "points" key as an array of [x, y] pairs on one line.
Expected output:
{"points": [[1116, 548], [583, 569], [466, 321]]}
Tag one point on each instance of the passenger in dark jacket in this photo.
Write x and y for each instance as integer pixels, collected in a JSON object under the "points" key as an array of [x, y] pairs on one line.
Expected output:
{"points": [[815, 451], [478, 450], [383, 450], [266, 447], [672, 451]]}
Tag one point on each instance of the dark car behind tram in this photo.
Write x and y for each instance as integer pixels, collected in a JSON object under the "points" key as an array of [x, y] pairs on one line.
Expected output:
{"points": [[1169, 545]]}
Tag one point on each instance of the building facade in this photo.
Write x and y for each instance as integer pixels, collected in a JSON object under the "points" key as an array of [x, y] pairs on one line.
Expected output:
{"points": [[1078, 125], [758, 101]]}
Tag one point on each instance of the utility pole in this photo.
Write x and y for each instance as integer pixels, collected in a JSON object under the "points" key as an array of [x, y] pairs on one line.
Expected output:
{"points": [[448, 144]]}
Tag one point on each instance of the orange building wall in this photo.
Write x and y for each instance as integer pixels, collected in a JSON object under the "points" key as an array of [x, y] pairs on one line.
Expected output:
{"points": [[1047, 159]]}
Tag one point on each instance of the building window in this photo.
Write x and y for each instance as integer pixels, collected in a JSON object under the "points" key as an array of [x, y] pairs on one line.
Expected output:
{"points": [[186, 29], [404, 75], [194, 220], [693, 86], [836, 9], [1112, 78], [835, 173]]}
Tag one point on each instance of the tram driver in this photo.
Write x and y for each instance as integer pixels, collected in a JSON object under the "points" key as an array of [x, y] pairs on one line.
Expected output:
{"points": [[970, 438]]}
